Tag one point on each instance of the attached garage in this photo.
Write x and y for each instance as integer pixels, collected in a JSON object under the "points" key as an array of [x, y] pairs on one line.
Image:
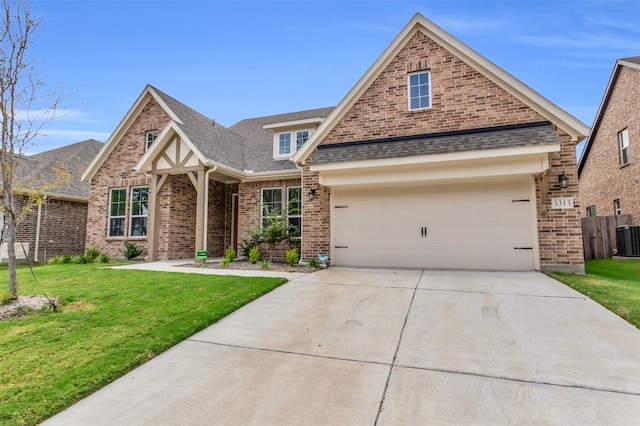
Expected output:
{"points": [[489, 225]]}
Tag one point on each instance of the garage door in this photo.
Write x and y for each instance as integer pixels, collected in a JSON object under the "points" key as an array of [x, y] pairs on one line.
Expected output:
{"points": [[464, 226]]}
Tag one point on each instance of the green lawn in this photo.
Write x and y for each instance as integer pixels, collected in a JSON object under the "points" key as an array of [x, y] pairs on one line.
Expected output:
{"points": [[110, 321], [614, 283]]}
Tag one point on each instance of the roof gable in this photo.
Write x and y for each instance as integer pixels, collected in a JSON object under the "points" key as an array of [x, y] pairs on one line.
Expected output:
{"points": [[418, 23], [631, 63]]}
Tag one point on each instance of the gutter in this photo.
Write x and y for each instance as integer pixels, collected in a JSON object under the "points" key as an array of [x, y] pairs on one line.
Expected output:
{"points": [[37, 245]]}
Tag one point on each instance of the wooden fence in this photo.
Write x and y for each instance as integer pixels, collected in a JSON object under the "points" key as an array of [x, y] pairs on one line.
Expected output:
{"points": [[599, 235]]}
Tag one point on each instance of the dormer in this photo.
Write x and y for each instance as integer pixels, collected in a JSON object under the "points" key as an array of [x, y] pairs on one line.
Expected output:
{"points": [[289, 136]]}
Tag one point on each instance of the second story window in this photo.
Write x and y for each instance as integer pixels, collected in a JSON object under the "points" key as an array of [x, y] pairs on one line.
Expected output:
{"points": [[419, 90], [623, 140], [287, 143], [150, 137]]}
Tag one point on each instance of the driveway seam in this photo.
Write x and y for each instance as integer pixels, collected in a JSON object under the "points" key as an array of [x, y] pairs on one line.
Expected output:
{"points": [[395, 354], [504, 294], [253, 348], [511, 379], [355, 285]]}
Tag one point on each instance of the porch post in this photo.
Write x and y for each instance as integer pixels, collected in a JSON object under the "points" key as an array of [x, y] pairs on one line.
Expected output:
{"points": [[200, 189], [152, 245]]}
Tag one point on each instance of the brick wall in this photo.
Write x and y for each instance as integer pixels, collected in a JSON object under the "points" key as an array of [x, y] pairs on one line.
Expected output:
{"points": [[63, 227], [177, 219], [250, 195], [462, 98], [120, 163], [603, 179]]}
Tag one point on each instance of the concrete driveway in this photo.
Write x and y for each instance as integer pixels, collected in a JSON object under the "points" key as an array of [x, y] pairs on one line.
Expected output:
{"points": [[390, 347]]}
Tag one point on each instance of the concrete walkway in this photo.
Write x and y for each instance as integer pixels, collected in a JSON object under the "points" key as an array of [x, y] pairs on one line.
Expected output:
{"points": [[390, 347]]}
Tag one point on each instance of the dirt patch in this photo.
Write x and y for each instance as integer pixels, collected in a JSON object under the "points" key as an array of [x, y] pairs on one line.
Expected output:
{"points": [[22, 307], [246, 265]]}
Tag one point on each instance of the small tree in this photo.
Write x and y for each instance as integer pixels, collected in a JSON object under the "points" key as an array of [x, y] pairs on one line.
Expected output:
{"points": [[275, 231], [24, 109]]}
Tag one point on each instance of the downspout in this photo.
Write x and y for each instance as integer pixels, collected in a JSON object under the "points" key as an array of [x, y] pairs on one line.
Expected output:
{"points": [[37, 247], [206, 205]]}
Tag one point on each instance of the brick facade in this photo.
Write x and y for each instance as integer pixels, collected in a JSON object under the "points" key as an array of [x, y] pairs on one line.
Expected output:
{"points": [[603, 179], [63, 226], [462, 98]]}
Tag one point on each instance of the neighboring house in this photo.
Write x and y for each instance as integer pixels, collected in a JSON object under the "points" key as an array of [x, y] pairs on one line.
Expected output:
{"points": [[609, 168], [436, 158], [58, 225]]}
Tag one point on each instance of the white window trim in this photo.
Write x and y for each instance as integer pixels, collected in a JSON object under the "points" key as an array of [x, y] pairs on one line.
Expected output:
{"points": [[409, 91], [623, 143], [293, 146], [295, 215], [262, 201], [131, 215], [109, 217], [146, 138]]}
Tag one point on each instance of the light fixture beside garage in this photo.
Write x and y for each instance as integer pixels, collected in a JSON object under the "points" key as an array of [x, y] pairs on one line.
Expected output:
{"points": [[563, 180], [312, 193]]}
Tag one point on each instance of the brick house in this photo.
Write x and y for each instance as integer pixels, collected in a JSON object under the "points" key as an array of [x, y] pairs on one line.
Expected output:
{"points": [[436, 158], [58, 225], [609, 171]]}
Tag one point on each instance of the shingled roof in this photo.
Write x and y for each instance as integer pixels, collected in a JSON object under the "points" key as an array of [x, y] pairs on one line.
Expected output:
{"points": [[38, 169], [259, 147], [511, 136]]}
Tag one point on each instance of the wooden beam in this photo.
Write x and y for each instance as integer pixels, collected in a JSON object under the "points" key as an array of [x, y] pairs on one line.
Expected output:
{"points": [[543, 183], [199, 211], [152, 226]]}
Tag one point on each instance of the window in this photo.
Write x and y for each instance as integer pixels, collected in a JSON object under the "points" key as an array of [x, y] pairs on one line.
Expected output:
{"points": [[623, 139], [294, 209], [150, 137], [591, 211], [301, 137], [284, 146], [419, 91], [117, 211], [271, 204], [285, 142], [139, 211], [617, 209]]}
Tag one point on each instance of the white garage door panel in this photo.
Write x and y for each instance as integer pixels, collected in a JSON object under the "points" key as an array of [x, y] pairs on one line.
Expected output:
{"points": [[469, 226]]}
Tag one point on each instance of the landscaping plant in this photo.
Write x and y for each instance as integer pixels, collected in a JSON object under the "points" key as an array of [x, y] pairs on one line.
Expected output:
{"points": [[254, 254], [293, 257], [131, 251]]}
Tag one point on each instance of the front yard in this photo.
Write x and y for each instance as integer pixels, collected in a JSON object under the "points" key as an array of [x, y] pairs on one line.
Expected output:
{"points": [[109, 322], [614, 283]]}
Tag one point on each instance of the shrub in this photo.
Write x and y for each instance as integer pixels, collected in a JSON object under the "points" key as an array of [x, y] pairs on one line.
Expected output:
{"points": [[131, 251], [93, 253], [79, 259], [254, 254], [67, 258], [5, 298], [230, 254], [225, 262], [104, 258], [54, 260], [314, 262], [293, 257], [264, 264]]}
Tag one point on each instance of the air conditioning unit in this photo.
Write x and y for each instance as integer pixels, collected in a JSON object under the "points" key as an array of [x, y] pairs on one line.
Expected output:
{"points": [[628, 240]]}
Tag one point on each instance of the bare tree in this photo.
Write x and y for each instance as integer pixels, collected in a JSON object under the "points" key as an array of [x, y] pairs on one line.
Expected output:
{"points": [[25, 106]]}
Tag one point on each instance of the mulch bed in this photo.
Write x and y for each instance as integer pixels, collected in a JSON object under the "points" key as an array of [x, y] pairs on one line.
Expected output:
{"points": [[246, 265], [22, 307]]}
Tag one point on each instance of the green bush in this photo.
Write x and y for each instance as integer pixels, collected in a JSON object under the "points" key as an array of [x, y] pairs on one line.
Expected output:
{"points": [[80, 259], [314, 262], [104, 258], [293, 257], [230, 254], [254, 254], [67, 258], [93, 253], [131, 251], [54, 260], [5, 298], [225, 262], [264, 264]]}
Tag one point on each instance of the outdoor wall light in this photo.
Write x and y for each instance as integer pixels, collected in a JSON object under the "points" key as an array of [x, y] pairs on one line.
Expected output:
{"points": [[312, 193], [563, 180]]}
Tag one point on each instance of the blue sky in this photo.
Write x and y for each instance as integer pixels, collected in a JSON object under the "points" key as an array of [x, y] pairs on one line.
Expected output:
{"points": [[240, 59]]}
